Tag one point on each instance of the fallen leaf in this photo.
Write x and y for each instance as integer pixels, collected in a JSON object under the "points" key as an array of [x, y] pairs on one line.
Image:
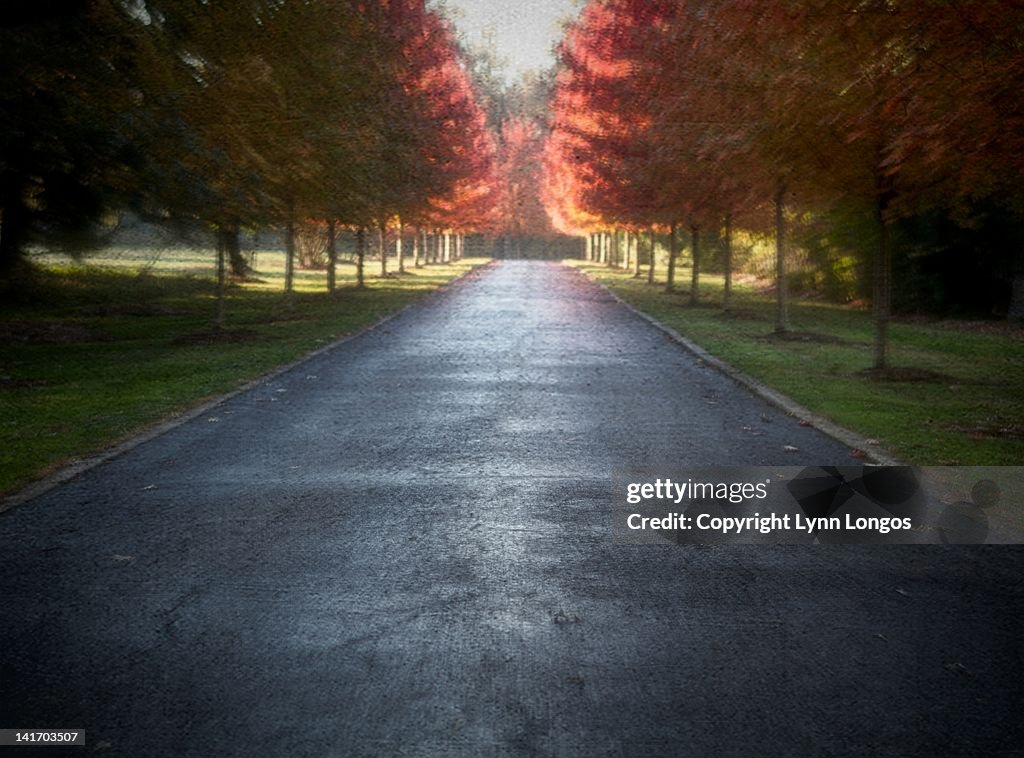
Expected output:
{"points": [[858, 453], [805, 422]]}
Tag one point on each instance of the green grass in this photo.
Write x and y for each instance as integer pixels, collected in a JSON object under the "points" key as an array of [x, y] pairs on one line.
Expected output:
{"points": [[970, 413], [93, 353]]}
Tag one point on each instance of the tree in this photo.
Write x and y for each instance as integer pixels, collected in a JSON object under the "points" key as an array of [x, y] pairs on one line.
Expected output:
{"points": [[68, 137]]}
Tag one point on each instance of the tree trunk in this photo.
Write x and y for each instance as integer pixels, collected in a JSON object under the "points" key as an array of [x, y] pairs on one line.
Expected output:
{"points": [[727, 294], [332, 256], [382, 241], [882, 283], [416, 263], [781, 299], [650, 269], [239, 265], [636, 255], [360, 256], [289, 255], [670, 276], [695, 271], [399, 250], [218, 320]]}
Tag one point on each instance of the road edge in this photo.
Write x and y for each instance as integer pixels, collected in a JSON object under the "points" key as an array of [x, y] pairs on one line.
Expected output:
{"points": [[76, 467], [855, 441]]}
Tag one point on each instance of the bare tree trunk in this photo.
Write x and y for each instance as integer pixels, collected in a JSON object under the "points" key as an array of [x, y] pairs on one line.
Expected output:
{"points": [[399, 251], [416, 250], [360, 256], [727, 294], [650, 269], [228, 237], [629, 249], [781, 297], [636, 255], [882, 282], [670, 276], [218, 321], [695, 271], [382, 242], [289, 254], [332, 256], [239, 265]]}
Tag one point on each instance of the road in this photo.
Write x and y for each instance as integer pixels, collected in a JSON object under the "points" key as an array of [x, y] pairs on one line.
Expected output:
{"points": [[402, 547]]}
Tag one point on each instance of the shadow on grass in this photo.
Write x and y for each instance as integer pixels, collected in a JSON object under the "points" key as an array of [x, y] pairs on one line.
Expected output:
{"points": [[215, 336], [807, 337]]}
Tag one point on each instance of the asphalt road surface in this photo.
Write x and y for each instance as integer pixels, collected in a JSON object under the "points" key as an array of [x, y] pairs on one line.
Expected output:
{"points": [[403, 547]]}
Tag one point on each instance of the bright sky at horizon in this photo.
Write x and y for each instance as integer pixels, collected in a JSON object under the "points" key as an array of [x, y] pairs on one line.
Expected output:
{"points": [[524, 32]]}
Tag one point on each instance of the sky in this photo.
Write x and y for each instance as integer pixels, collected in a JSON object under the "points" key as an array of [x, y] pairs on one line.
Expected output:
{"points": [[524, 31]]}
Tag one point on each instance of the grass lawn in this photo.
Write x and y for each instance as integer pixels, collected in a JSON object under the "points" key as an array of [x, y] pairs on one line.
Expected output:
{"points": [[962, 405], [93, 353]]}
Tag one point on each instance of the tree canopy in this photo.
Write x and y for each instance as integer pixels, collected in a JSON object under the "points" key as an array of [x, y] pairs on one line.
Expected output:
{"points": [[253, 113]]}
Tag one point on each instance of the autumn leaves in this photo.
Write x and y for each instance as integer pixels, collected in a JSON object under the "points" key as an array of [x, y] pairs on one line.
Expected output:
{"points": [[253, 114], [700, 115]]}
